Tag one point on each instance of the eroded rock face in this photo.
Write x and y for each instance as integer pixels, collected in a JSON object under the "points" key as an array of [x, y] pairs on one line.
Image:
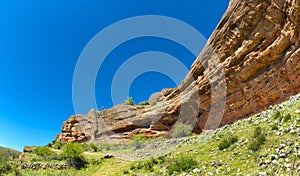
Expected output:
{"points": [[71, 131], [250, 62]]}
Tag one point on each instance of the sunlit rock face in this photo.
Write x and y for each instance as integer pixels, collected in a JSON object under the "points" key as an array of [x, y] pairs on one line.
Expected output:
{"points": [[250, 62]]}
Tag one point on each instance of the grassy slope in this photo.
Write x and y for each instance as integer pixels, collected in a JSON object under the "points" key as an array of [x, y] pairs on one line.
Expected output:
{"points": [[7, 152], [235, 160], [238, 159]]}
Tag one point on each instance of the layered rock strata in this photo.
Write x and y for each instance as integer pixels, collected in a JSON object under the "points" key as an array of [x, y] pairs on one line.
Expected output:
{"points": [[251, 61]]}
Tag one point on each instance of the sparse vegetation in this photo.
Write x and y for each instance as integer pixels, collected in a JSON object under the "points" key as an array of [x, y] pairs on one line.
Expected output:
{"points": [[180, 129], [144, 103], [183, 163], [139, 138], [287, 117], [6, 167], [129, 101], [58, 145], [43, 151], [258, 139], [274, 127], [94, 147], [277, 115], [227, 142]]}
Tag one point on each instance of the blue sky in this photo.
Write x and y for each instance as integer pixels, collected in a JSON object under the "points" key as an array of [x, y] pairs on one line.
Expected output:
{"points": [[41, 41]]}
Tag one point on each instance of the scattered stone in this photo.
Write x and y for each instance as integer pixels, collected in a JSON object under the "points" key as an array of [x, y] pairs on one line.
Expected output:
{"points": [[108, 156]]}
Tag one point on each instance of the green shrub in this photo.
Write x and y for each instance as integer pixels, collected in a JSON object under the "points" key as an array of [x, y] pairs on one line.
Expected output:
{"points": [[129, 101], [144, 103], [125, 172], [94, 147], [73, 153], [287, 117], [181, 130], [227, 142], [277, 115], [43, 151], [139, 137], [274, 127], [5, 168], [179, 164], [147, 165], [58, 145], [258, 139], [257, 132]]}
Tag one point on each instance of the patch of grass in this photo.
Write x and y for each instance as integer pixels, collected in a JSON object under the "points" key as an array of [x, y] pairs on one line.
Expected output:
{"points": [[108, 146], [183, 163], [258, 139], [146, 165], [94, 147], [287, 117], [274, 127], [43, 151], [277, 115], [227, 142], [139, 137]]}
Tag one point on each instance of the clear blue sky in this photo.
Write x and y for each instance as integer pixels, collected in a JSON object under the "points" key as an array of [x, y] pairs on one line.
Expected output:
{"points": [[40, 42]]}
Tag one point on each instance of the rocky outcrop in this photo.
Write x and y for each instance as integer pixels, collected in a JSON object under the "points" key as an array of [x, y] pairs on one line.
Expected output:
{"points": [[28, 149], [251, 61], [71, 131]]}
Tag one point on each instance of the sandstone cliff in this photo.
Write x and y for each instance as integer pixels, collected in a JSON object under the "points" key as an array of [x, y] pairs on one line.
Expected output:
{"points": [[250, 62]]}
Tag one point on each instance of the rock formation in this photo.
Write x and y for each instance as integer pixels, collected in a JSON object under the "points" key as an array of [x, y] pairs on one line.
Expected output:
{"points": [[71, 131], [251, 61]]}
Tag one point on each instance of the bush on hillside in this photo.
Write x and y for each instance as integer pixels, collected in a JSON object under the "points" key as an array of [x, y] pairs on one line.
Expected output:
{"points": [[73, 153], [6, 167], [287, 117], [43, 151], [58, 145], [180, 164], [277, 115], [227, 142], [258, 139]]}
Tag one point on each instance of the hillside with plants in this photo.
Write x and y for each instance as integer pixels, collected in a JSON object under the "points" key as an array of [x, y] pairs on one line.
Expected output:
{"points": [[264, 144]]}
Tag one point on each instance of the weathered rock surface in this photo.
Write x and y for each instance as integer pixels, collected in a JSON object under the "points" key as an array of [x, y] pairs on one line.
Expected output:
{"points": [[251, 61], [71, 131]]}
